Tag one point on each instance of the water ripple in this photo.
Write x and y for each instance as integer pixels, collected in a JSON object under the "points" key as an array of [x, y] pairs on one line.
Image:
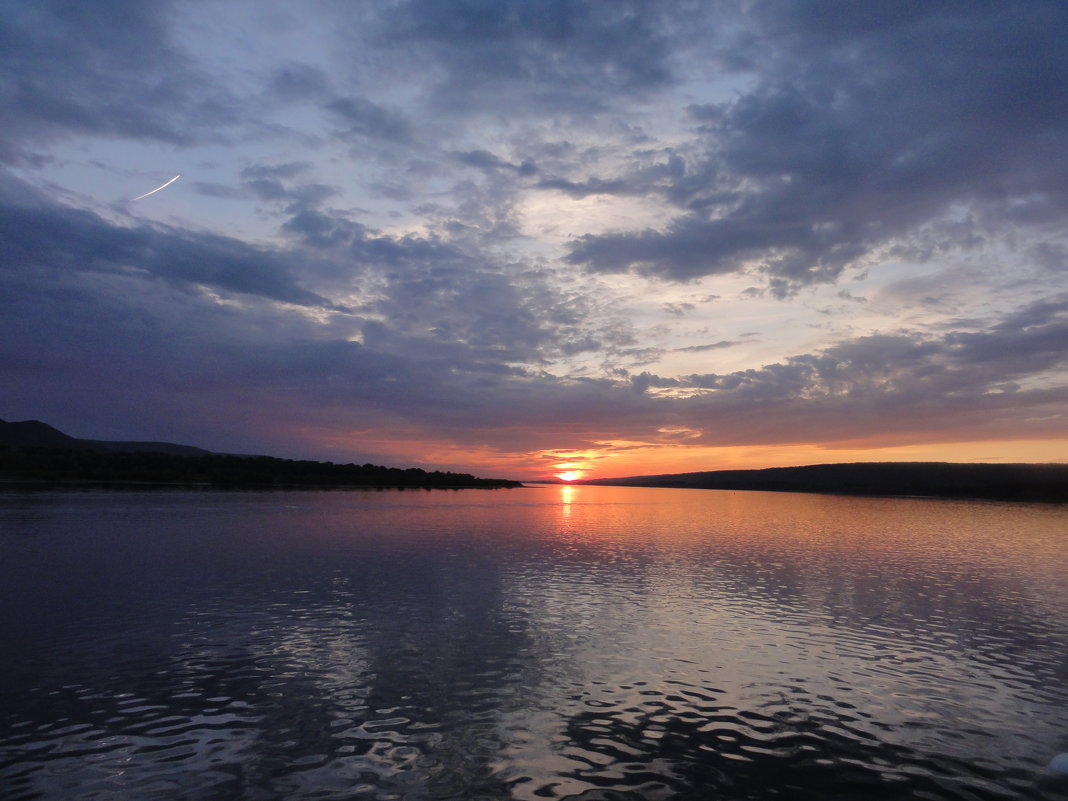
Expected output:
{"points": [[346, 646]]}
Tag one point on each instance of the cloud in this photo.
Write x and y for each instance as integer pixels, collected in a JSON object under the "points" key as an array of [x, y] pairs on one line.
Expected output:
{"points": [[364, 117], [484, 160], [561, 54], [441, 295], [444, 344], [105, 68], [214, 189], [724, 343], [295, 82], [993, 383], [431, 295], [294, 197], [590, 186], [862, 129], [273, 184], [164, 360], [405, 172], [49, 237], [439, 340], [275, 172]]}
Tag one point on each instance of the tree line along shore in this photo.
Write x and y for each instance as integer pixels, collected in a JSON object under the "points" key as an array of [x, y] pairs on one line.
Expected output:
{"points": [[1002, 482], [219, 470], [32, 451]]}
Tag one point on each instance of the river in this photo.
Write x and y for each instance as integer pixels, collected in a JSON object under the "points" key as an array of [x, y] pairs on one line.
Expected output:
{"points": [[560, 642]]}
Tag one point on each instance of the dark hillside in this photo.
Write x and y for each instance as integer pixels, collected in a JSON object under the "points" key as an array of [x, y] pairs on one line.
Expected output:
{"points": [[35, 434], [37, 452]]}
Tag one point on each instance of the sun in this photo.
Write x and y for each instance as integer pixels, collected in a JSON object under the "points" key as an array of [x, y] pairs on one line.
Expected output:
{"points": [[569, 475]]}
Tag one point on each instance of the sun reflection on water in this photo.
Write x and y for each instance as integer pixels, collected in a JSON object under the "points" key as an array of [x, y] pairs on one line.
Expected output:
{"points": [[567, 494]]}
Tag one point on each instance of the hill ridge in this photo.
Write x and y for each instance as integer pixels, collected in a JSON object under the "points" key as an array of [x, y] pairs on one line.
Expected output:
{"points": [[37, 434], [34, 451]]}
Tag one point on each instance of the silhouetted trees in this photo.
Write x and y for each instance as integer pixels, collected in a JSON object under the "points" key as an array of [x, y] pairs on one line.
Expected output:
{"points": [[220, 470]]}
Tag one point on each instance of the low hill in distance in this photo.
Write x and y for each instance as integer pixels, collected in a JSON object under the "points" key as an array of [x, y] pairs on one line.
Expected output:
{"points": [[35, 451], [1006, 482], [35, 434]]}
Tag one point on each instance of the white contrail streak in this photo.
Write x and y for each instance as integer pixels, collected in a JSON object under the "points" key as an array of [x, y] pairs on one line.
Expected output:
{"points": [[146, 194]]}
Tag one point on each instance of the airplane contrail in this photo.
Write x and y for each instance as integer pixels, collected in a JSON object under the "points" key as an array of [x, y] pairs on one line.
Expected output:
{"points": [[146, 194]]}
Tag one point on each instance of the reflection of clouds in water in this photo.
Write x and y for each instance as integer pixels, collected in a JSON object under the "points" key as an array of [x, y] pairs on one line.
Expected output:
{"points": [[312, 687], [858, 616], [125, 741], [643, 641], [406, 687]]}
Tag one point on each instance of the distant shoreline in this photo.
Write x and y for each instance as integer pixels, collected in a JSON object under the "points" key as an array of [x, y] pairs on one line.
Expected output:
{"points": [[32, 451], [83, 467], [1033, 483], [8, 483]]}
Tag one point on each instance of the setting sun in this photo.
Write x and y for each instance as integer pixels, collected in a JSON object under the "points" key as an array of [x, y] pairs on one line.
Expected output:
{"points": [[569, 475]]}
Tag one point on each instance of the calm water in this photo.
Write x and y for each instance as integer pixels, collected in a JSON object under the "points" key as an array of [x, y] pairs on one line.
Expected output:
{"points": [[554, 642]]}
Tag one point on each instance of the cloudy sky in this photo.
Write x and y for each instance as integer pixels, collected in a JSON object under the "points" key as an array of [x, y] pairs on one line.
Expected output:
{"points": [[522, 237]]}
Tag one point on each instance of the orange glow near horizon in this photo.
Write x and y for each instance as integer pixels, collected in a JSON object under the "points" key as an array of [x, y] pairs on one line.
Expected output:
{"points": [[740, 457], [657, 459], [618, 458]]}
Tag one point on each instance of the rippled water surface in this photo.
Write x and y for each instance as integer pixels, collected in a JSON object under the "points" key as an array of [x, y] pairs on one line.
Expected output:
{"points": [[549, 642]]}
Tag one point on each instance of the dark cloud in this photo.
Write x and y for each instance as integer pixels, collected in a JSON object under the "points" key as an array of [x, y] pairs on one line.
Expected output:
{"points": [[298, 197], [267, 189], [1052, 256], [38, 235], [364, 117], [446, 345], [178, 364], [299, 82], [691, 249], [678, 309], [273, 184], [355, 240], [105, 68], [439, 295], [484, 160], [656, 173], [723, 343], [888, 386], [562, 54], [275, 172], [213, 189], [861, 128], [792, 140], [435, 343]]}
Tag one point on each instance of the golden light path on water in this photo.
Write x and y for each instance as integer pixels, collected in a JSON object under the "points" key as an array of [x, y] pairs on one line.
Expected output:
{"points": [[563, 642]]}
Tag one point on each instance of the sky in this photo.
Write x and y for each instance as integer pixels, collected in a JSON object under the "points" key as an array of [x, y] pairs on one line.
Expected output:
{"points": [[524, 238]]}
